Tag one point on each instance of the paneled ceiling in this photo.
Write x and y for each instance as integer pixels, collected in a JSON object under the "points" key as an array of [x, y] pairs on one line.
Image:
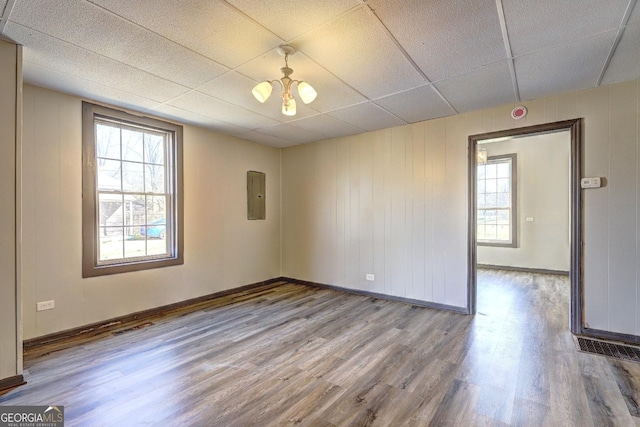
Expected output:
{"points": [[375, 63]]}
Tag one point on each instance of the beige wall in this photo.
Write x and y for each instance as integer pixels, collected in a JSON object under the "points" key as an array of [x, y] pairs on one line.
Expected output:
{"points": [[394, 203], [543, 194], [222, 248]]}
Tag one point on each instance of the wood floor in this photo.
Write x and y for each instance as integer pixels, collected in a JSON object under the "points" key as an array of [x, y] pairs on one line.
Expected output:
{"points": [[295, 355]]}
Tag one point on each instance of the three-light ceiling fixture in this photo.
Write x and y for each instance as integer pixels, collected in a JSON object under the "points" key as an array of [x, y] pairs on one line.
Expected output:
{"points": [[307, 94]]}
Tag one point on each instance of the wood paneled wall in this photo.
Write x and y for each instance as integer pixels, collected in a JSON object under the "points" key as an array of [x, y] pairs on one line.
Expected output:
{"points": [[394, 203]]}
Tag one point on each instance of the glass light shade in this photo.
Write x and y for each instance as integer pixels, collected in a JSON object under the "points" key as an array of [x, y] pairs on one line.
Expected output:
{"points": [[262, 91], [482, 156], [306, 92], [289, 110]]}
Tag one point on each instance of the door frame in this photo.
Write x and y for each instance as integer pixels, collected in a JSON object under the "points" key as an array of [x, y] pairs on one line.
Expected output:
{"points": [[574, 126]]}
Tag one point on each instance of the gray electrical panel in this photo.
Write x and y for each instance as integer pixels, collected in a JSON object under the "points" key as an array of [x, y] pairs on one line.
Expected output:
{"points": [[256, 195]]}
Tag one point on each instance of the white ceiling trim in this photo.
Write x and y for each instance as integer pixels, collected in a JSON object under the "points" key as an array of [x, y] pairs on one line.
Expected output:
{"points": [[507, 47], [614, 45]]}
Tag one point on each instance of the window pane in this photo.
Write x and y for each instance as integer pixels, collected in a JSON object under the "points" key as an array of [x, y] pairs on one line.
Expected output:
{"points": [[154, 181], [481, 201], [502, 217], [502, 200], [491, 169], [490, 232], [157, 246], [134, 247], [504, 169], [111, 239], [491, 186], [481, 233], [503, 233], [481, 171], [154, 149], [107, 141], [156, 209], [490, 200], [132, 145], [109, 175], [503, 185], [110, 209], [133, 177], [481, 186]]}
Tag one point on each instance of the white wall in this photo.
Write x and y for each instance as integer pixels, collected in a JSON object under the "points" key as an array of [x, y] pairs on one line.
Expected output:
{"points": [[222, 248], [10, 80], [543, 194], [394, 203]]}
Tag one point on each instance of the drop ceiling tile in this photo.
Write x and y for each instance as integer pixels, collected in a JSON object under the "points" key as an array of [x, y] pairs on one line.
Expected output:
{"points": [[635, 14], [205, 105], [290, 18], [3, 8], [562, 69], [625, 63], [209, 27], [265, 139], [357, 50], [54, 54], [535, 25], [189, 117], [333, 93], [37, 75], [327, 126], [367, 116], [292, 133], [445, 38], [235, 88], [91, 27], [481, 88], [416, 105]]}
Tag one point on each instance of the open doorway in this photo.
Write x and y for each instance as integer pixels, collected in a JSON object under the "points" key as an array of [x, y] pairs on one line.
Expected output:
{"points": [[499, 226]]}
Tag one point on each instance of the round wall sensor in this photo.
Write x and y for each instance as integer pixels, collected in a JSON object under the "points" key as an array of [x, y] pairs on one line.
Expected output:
{"points": [[519, 112]]}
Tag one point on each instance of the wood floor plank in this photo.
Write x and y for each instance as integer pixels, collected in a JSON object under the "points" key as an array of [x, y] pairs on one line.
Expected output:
{"points": [[296, 355]]}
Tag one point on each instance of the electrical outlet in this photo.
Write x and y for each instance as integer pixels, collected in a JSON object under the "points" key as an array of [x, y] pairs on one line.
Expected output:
{"points": [[46, 305], [529, 219], [370, 277]]}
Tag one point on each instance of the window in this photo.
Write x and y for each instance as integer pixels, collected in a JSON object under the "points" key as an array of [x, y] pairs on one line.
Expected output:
{"points": [[496, 201], [131, 192]]}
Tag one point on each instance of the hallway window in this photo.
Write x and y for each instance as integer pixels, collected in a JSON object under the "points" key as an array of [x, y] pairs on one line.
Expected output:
{"points": [[132, 202], [496, 201]]}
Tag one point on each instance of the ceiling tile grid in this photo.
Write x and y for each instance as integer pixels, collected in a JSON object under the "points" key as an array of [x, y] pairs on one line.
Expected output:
{"points": [[291, 18], [416, 104], [443, 50], [374, 63], [481, 88], [356, 50], [564, 68], [209, 27], [368, 116], [54, 54], [541, 24]]}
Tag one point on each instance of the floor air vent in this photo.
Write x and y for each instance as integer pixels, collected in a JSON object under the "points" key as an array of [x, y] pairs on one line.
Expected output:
{"points": [[135, 328], [617, 351]]}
